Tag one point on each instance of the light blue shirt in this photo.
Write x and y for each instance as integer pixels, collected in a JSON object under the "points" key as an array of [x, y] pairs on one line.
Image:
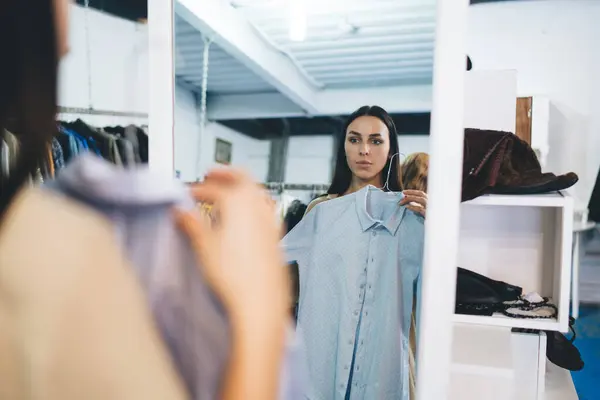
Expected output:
{"points": [[359, 258], [189, 316]]}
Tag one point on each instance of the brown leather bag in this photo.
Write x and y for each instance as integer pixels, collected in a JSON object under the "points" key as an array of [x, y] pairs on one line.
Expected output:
{"points": [[499, 162]]}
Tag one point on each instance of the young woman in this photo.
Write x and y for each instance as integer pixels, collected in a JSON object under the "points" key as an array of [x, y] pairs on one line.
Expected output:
{"points": [[368, 154], [74, 322]]}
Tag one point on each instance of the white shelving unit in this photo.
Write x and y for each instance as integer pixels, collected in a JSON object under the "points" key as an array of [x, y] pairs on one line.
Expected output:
{"points": [[524, 240], [493, 363]]}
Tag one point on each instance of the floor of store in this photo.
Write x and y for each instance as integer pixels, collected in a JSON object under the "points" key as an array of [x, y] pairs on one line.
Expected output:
{"points": [[588, 343]]}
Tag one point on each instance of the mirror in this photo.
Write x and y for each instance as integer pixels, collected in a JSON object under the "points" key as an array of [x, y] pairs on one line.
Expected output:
{"points": [[278, 88], [327, 105]]}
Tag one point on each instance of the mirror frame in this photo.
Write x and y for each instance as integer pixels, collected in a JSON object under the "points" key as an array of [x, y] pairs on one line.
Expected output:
{"points": [[444, 182]]}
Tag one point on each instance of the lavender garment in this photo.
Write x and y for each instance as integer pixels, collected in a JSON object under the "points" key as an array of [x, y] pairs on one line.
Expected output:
{"points": [[190, 318]]}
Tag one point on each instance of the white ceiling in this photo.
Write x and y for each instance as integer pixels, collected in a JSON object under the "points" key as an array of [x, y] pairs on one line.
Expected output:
{"points": [[353, 43], [226, 74], [349, 44]]}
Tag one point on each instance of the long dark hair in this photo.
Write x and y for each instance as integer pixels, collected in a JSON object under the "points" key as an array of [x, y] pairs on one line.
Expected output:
{"points": [[28, 75], [342, 176]]}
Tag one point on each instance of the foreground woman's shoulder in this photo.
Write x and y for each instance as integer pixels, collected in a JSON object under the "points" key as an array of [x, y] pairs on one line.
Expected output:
{"points": [[64, 272]]}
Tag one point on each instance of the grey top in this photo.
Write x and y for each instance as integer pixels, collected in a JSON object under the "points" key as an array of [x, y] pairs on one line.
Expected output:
{"points": [[190, 318]]}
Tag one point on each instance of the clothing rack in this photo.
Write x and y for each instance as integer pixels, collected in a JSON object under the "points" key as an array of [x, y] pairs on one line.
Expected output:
{"points": [[93, 111], [295, 186]]}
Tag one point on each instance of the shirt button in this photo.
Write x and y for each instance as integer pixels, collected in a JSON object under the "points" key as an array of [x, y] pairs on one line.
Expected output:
{"points": [[357, 368], [374, 233], [355, 312], [347, 367], [350, 342], [372, 259], [366, 313], [362, 285]]}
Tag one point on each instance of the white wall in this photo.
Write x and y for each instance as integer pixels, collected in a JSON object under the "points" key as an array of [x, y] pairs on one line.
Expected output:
{"points": [[117, 50], [309, 159], [187, 128], [409, 144], [553, 46], [247, 153]]}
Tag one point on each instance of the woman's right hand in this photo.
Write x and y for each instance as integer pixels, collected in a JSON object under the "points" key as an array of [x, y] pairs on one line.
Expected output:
{"points": [[241, 260], [240, 254]]}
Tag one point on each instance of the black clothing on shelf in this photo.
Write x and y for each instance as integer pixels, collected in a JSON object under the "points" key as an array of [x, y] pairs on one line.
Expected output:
{"points": [[477, 294], [561, 351], [594, 204]]}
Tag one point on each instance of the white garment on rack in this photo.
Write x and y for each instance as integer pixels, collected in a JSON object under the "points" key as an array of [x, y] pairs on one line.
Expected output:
{"points": [[284, 202], [5, 158]]}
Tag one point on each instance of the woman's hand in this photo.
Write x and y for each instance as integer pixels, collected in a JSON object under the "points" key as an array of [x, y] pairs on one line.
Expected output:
{"points": [[240, 257], [239, 253], [415, 200]]}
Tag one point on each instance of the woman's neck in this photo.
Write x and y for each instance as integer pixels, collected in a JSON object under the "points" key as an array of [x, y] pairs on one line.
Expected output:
{"points": [[358, 184]]}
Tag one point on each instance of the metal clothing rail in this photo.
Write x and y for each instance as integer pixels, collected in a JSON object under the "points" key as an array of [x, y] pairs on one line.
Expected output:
{"points": [[284, 186], [295, 186], [93, 111]]}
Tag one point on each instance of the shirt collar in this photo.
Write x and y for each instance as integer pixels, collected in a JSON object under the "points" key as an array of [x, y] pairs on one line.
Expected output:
{"points": [[367, 222]]}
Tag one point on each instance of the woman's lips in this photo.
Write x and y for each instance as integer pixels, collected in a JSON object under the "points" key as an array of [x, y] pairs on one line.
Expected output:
{"points": [[364, 164]]}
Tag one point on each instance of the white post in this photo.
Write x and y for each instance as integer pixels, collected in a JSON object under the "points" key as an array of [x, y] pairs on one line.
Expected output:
{"points": [[443, 210], [161, 107]]}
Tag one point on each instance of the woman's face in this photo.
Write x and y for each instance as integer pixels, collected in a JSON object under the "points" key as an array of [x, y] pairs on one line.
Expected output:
{"points": [[367, 147]]}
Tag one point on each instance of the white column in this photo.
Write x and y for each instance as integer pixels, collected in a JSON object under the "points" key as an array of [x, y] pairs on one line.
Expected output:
{"points": [[161, 86], [443, 210]]}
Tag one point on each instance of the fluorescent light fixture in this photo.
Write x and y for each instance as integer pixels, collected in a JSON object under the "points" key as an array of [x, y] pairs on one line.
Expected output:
{"points": [[297, 20]]}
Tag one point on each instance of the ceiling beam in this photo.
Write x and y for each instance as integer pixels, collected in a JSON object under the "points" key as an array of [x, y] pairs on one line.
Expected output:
{"points": [[400, 99], [233, 33]]}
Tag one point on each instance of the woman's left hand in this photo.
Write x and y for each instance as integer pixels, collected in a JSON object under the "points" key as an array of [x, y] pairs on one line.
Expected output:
{"points": [[415, 200]]}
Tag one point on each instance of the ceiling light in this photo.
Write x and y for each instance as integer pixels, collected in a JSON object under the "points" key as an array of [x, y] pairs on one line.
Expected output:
{"points": [[346, 27]]}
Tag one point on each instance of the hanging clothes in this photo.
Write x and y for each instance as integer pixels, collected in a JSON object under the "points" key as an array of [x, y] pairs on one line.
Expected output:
{"points": [[359, 258], [10, 150], [5, 167], [72, 139], [187, 313], [57, 155]]}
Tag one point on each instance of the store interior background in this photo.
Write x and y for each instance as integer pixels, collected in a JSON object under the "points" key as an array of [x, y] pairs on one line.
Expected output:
{"points": [[552, 45]]}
